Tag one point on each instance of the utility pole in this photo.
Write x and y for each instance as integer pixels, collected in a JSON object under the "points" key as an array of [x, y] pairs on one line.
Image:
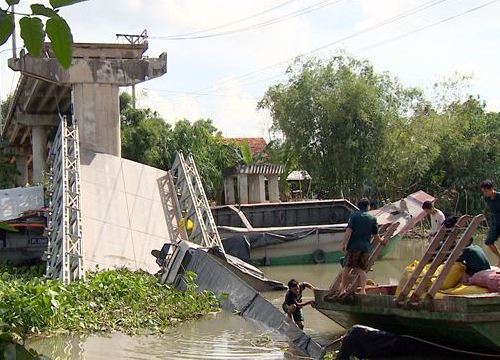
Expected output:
{"points": [[142, 38], [14, 51]]}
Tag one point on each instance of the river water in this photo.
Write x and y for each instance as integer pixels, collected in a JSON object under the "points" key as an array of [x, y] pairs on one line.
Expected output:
{"points": [[224, 335]]}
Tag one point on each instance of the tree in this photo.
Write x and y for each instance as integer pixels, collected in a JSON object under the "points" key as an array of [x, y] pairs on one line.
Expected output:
{"points": [[211, 153], [334, 117], [148, 139], [34, 31]]}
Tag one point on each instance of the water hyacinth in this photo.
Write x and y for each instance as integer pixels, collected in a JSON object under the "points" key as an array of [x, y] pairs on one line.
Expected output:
{"points": [[115, 300]]}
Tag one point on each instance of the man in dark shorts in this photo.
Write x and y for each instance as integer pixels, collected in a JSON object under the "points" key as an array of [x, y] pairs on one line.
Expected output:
{"points": [[492, 200], [357, 244], [293, 304]]}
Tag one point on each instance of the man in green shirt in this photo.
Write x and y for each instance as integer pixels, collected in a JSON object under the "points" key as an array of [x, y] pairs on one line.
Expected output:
{"points": [[492, 200], [474, 258], [357, 244]]}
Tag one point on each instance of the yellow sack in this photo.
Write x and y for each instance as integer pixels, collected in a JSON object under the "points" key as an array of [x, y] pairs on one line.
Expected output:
{"points": [[465, 290], [406, 275], [456, 272], [452, 279]]}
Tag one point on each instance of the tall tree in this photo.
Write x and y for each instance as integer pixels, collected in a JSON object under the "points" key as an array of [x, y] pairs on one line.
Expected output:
{"points": [[334, 116]]}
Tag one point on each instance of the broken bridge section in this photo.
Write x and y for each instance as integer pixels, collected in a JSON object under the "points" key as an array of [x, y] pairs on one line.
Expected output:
{"points": [[90, 86]]}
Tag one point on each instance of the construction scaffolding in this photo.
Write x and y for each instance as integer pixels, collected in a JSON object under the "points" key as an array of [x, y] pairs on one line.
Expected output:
{"points": [[65, 248], [192, 203]]}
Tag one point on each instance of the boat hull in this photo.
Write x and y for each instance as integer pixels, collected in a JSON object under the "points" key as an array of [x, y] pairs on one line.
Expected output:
{"points": [[465, 323]]}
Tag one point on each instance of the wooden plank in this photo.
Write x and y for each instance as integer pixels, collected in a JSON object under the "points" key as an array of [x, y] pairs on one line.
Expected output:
{"points": [[448, 243], [429, 252], [385, 231], [457, 251]]}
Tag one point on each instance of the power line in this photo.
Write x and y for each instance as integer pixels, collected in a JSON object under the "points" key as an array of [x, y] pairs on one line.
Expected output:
{"points": [[317, 6], [232, 22], [196, 94], [427, 26], [388, 21], [409, 33]]}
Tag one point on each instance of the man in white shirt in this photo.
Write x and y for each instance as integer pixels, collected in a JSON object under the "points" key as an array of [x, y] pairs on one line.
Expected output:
{"points": [[436, 215]]}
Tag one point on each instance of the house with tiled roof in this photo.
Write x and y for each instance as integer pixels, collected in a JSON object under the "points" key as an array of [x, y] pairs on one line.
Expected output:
{"points": [[252, 183], [257, 144]]}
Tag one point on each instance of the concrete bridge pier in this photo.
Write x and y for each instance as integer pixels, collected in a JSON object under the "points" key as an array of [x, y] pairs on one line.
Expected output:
{"points": [[39, 144], [22, 169], [90, 85], [97, 110]]}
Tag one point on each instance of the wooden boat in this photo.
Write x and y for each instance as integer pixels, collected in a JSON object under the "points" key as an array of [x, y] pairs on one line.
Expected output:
{"points": [[468, 322], [465, 322], [408, 212], [305, 232]]}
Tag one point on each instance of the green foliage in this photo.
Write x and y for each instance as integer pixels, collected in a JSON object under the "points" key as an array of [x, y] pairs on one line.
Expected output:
{"points": [[33, 33], [246, 153], [117, 300], [211, 153], [60, 3], [148, 139], [360, 133], [333, 116], [39, 9], [61, 39], [6, 26]]}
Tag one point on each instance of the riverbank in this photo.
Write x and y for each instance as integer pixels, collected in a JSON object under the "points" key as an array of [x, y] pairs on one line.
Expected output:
{"points": [[108, 301]]}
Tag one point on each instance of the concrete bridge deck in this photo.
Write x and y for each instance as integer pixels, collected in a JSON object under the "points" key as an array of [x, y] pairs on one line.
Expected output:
{"points": [[91, 85]]}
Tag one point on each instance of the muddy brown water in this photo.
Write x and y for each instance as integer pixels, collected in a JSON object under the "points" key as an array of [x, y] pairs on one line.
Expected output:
{"points": [[225, 335]]}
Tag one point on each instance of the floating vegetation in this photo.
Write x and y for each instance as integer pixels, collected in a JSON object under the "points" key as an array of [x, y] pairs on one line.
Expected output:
{"points": [[115, 300]]}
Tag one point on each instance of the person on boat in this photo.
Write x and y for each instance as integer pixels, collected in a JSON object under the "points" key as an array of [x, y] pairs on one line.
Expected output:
{"points": [[492, 200], [474, 258], [293, 304], [436, 215], [361, 228]]}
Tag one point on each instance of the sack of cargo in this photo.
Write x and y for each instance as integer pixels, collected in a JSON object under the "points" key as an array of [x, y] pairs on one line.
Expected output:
{"points": [[481, 277], [465, 290], [406, 275], [452, 279], [494, 282]]}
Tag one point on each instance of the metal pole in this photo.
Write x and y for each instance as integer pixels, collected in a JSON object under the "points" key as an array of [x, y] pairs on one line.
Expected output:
{"points": [[133, 96], [14, 52]]}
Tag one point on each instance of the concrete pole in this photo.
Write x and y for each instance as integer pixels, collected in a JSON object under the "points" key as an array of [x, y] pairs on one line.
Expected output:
{"points": [[22, 168], [97, 111], [229, 190], [261, 188], [274, 190], [243, 188], [39, 145], [257, 189]]}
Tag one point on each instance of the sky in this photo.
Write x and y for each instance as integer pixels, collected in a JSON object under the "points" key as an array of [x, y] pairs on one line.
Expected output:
{"points": [[222, 77]]}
